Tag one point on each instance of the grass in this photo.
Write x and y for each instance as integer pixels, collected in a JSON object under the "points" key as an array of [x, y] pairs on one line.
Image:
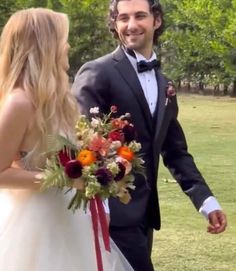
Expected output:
{"points": [[183, 243]]}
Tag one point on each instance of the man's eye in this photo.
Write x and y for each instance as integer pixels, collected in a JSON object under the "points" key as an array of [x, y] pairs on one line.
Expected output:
{"points": [[141, 16], [122, 18]]}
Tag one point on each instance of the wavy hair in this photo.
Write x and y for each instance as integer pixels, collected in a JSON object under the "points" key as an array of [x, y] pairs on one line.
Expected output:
{"points": [[32, 56]]}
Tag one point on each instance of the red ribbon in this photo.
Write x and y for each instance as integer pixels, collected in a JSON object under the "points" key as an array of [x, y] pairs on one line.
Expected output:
{"points": [[99, 216]]}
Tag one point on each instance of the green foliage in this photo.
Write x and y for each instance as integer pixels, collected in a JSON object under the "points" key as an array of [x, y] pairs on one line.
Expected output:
{"points": [[198, 44], [89, 35], [183, 244], [54, 176], [7, 7], [30, 3]]}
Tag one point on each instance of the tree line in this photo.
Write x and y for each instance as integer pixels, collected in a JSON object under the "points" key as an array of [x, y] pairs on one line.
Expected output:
{"points": [[197, 49]]}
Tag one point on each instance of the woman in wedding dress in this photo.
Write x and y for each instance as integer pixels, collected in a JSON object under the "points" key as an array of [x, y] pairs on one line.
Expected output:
{"points": [[37, 232]]}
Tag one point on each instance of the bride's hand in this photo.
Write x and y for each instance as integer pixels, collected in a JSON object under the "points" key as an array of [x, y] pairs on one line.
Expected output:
{"points": [[78, 184]]}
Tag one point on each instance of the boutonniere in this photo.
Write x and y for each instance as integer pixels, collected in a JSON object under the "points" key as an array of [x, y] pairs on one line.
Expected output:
{"points": [[170, 92]]}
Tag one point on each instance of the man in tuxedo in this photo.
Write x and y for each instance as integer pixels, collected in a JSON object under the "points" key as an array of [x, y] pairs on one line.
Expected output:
{"points": [[123, 78]]}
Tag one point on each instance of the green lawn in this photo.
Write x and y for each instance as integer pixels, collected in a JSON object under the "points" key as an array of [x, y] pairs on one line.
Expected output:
{"points": [[183, 243]]}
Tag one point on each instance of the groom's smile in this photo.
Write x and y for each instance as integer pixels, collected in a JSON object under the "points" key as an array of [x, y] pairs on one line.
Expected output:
{"points": [[135, 25]]}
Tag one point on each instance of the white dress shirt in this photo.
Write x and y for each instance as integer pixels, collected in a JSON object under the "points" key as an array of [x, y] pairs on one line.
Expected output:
{"points": [[147, 80], [149, 85]]}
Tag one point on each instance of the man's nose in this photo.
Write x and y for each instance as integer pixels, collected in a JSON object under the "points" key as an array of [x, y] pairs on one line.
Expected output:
{"points": [[132, 24]]}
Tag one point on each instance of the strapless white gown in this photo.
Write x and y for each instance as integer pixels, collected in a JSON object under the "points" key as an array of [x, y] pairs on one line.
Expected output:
{"points": [[38, 233]]}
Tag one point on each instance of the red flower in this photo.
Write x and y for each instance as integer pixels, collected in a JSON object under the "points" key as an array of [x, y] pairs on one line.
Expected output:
{"points": [[115, 135], [73, 169], [113, 108], [63, 157], [170, 90]]}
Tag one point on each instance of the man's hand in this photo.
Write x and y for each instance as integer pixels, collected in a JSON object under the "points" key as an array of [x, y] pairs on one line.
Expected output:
{"points": [[217, 222]]}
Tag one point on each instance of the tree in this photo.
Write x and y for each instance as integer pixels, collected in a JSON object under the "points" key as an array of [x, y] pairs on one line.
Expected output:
{"points": [[199, 42], [7, 7], [198, 46], [89, 36]]}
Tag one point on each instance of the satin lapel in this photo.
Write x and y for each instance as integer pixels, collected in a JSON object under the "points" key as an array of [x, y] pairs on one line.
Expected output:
{"points": [[161, 107], [126, 70]]}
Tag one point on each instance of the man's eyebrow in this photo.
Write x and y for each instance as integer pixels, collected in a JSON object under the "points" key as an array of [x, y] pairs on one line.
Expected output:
{"points": [[134, 13]]}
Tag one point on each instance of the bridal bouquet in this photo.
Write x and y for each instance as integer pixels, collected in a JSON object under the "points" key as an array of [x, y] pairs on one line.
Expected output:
{"points": [[103, 157]]}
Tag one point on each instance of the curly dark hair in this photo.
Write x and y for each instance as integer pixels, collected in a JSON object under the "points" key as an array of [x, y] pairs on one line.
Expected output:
{"points": [[155, 9]]}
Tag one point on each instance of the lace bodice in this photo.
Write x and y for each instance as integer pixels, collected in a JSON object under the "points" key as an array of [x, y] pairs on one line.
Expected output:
{"points": [[30, 160]]}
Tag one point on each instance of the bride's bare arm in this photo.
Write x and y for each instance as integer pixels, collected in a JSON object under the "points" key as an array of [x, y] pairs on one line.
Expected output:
{"points": [[14, 120]]}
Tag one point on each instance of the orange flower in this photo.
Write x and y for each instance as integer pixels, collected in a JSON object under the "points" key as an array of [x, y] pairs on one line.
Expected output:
{"points": [[118, 123], [86, 157], [126, 153], [99, 144]]}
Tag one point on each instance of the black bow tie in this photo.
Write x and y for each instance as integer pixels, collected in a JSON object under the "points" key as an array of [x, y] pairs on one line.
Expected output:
{"points": [[144, 66]]}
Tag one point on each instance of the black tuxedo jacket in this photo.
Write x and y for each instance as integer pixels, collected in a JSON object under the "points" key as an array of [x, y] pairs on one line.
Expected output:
{"points": [[111, 80]]}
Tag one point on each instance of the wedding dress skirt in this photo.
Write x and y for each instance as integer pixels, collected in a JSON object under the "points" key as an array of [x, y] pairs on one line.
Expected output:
{"points": [[39, 233]]}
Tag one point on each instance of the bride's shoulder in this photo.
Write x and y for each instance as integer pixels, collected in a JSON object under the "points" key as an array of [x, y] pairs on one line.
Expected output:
{"points": [[18, 101]]}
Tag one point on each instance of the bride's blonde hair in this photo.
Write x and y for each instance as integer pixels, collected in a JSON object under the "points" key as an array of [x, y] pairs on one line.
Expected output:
{"points": [[32, 56]]}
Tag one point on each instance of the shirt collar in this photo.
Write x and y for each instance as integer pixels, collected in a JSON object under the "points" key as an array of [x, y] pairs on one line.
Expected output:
{"points": [[139, 57]]}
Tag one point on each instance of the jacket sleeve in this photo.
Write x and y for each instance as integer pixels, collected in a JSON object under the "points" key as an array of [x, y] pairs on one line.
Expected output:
{"points": [[182, 166], [89, 88]]}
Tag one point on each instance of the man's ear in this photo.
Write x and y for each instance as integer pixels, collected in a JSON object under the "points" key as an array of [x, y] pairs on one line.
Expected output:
{"points": [[157, 22], [115, 25]]}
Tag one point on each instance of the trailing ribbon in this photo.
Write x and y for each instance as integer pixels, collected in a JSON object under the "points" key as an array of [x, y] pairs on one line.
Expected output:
{"points": [[98, 216]]}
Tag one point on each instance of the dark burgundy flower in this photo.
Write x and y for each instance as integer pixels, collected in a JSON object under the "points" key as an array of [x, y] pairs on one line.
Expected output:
{"points": [[129, 132], [104, 176], [63, 157], [170, 90], [115, 135], [73, 169], [121, 172]]}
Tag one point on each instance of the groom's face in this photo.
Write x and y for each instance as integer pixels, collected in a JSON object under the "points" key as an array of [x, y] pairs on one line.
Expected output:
{"points": [[135, 25]]}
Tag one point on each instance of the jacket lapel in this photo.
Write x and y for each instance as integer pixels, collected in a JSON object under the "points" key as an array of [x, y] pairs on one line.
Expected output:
{"points": [[126, 70], [161, 106]]}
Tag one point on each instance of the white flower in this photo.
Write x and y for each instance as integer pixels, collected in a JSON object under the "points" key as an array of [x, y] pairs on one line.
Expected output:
{"points": [[94, 123], [115, 145], [135, 146], [127, 115], [94, 110], [113, 167]]}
